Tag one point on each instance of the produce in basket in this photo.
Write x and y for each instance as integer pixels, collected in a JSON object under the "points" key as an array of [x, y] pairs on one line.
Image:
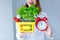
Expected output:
{"points": [[28, 13]]}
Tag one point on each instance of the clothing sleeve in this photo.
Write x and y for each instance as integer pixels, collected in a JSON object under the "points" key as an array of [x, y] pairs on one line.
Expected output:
{"points": [[42, 14], [50, 31], [18, 16], [17, 32]]}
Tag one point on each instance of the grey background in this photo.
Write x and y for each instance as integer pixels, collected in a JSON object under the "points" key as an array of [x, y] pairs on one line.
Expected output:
{"points": [[9, 7], [6, 20]]}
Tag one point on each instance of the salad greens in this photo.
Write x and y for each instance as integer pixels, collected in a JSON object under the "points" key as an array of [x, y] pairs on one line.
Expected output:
{"points": [[28, 13]]}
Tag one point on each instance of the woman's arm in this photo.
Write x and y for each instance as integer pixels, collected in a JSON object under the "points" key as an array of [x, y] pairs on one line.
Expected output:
{"points": [[48, 31]]}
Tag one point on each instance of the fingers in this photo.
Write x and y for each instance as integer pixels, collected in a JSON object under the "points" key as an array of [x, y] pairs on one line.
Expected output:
{"points": [[48, 33]]}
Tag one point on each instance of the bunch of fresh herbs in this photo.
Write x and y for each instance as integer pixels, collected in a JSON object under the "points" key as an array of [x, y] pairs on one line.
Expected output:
{"points": [[28, 13]]}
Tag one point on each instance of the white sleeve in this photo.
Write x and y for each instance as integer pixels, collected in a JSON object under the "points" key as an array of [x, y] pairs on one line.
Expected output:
{"points": [[42, 14], [16, 24], [17, 32], [18, 16]]}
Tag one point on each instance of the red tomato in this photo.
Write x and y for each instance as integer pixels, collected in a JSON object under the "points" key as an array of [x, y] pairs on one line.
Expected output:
{"points": [[16, 19]]}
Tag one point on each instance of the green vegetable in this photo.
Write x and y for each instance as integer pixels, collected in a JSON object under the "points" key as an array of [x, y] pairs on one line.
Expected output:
{"points": [[28, 13]]}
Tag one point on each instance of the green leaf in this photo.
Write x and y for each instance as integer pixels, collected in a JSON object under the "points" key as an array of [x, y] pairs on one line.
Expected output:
{"points": [[28, 13]]}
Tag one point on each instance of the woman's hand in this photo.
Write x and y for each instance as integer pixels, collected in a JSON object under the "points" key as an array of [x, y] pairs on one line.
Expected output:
{"points": [[49, 32]]}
